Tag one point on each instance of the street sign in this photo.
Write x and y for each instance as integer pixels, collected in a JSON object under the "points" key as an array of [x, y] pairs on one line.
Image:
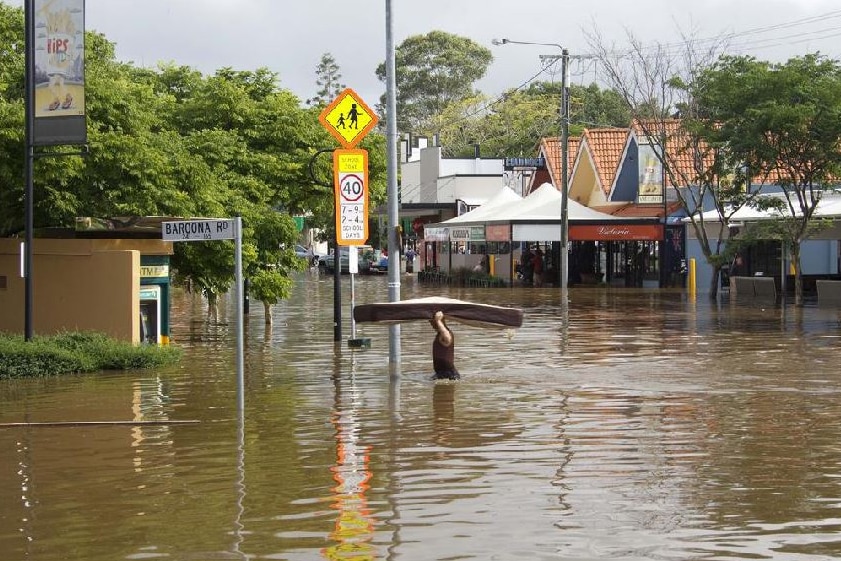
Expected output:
{"points": [[350, 170], [219, 229], [198, 230], [348, 118]]}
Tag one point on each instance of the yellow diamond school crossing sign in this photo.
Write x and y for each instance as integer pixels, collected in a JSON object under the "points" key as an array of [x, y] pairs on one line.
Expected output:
{"points": [[348, 118]]}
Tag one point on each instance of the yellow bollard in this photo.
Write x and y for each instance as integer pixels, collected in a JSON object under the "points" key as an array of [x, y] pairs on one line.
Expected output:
{"points": [[492, 263], [691, 280]]}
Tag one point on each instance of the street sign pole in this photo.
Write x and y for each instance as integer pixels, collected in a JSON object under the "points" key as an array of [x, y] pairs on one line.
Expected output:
{"points": [[348, 119], [219, 229], [240, 313]]}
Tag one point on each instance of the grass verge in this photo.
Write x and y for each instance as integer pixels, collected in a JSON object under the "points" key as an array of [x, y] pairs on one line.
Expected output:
{"points": [[76, 352]]}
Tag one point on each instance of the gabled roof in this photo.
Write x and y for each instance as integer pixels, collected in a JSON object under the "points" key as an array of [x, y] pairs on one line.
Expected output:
{"points": [[606, 147], [551, 149], [682, 155]]}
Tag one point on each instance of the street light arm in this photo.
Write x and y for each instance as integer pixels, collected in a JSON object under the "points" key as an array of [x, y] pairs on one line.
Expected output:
{"points": [[505, 41]]}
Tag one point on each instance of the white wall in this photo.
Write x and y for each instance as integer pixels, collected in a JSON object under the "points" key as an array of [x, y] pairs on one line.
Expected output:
{"points": [[428, 178]]}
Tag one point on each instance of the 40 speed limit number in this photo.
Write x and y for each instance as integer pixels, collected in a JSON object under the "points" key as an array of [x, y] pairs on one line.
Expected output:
{"points": [[351, 182]]}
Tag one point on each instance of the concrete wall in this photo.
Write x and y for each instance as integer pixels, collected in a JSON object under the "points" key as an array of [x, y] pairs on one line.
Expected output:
{"points": [[77, 285]]}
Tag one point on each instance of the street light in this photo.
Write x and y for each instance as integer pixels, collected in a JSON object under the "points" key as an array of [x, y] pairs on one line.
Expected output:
{"points": [[563, 266]]}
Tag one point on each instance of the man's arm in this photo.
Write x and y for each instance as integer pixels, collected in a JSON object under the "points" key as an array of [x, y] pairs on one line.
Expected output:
{"points": [[444, 334]]}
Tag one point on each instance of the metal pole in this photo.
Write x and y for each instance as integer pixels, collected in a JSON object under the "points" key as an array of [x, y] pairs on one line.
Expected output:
{"points": [[352, 303], [29, 252], [240, 315], [337, 289], [564, 257], [391, 168], [663, 177]]}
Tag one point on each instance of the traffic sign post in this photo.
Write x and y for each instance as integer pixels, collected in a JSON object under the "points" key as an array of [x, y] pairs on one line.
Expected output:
{"points": [[350, 170], [218, 229], [348, 119]]}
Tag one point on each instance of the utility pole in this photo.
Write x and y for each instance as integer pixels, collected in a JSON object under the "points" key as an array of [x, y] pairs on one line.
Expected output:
{"points": [[564, 254], [394, 242], [28, 250]]}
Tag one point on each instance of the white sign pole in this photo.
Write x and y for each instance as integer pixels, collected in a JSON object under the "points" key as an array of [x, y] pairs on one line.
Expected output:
{"points": [[218, 229], [353, 268], [240, 295]]}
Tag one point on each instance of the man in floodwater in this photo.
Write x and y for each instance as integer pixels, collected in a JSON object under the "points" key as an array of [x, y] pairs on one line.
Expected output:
{"points": [[443, 349]]}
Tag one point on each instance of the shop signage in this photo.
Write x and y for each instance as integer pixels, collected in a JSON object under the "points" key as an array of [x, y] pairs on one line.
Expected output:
{"points": [[436, 234], [498, 233], [615, 232]]}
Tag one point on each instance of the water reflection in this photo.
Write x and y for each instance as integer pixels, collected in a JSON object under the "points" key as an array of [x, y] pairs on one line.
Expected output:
{"points": [[615, 424], [354, 524]]}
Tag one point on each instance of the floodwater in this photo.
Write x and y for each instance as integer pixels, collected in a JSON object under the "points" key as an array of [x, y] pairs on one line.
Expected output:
{"points": [[630, 424]]}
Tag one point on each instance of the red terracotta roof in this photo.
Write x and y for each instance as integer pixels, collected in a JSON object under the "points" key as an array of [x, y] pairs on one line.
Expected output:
{"points": [[551, 148], [681, 153]]}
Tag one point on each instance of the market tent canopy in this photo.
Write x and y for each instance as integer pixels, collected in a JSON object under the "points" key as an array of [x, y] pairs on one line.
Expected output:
{"points": [[544, 203], [828, 207], [504, 197], [538, 217]]}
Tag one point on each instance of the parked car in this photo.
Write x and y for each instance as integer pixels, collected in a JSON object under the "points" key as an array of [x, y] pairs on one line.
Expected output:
{"points": [[378, 265], [308, 254], [326, 262]]}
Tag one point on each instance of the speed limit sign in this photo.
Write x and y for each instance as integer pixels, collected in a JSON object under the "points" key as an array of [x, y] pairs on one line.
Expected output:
{"points": [[350, 168], [350, 187]]}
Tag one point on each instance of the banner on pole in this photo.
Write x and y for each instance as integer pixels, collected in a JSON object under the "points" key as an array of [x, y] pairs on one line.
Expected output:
{"points": [[59, 72]]}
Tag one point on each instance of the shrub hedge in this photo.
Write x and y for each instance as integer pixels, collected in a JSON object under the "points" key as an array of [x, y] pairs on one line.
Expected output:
{"points": [[76, 352]]}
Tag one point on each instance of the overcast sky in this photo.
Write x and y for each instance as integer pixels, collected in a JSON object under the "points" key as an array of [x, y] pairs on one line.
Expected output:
{"points": [[289, 37]]}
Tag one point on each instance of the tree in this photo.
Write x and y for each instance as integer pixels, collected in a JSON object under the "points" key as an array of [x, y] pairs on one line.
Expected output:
{"points": [[513, 124], [433, 71], [657, 84], [328, 77], [269, 274], [783, 121], [172, 142]]}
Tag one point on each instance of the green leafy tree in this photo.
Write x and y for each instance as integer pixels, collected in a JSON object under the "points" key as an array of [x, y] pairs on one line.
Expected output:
{"points": [[783, 121], [171, 141], [513, 124], [269, 274], [433, 71], [328, 79]]}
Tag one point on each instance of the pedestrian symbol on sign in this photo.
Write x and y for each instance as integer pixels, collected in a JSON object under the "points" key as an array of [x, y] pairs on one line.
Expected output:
{"points": [[348, 119]]}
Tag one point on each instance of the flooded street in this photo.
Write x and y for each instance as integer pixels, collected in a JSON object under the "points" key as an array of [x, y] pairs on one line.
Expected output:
{"points": [[630, 424]]}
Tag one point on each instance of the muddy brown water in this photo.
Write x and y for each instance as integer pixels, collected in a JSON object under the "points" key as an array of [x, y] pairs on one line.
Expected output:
{"points": [[626, 424]]}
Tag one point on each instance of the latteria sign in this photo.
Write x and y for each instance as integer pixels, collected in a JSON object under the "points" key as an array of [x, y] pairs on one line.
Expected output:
{"points": [[611, 232]]}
